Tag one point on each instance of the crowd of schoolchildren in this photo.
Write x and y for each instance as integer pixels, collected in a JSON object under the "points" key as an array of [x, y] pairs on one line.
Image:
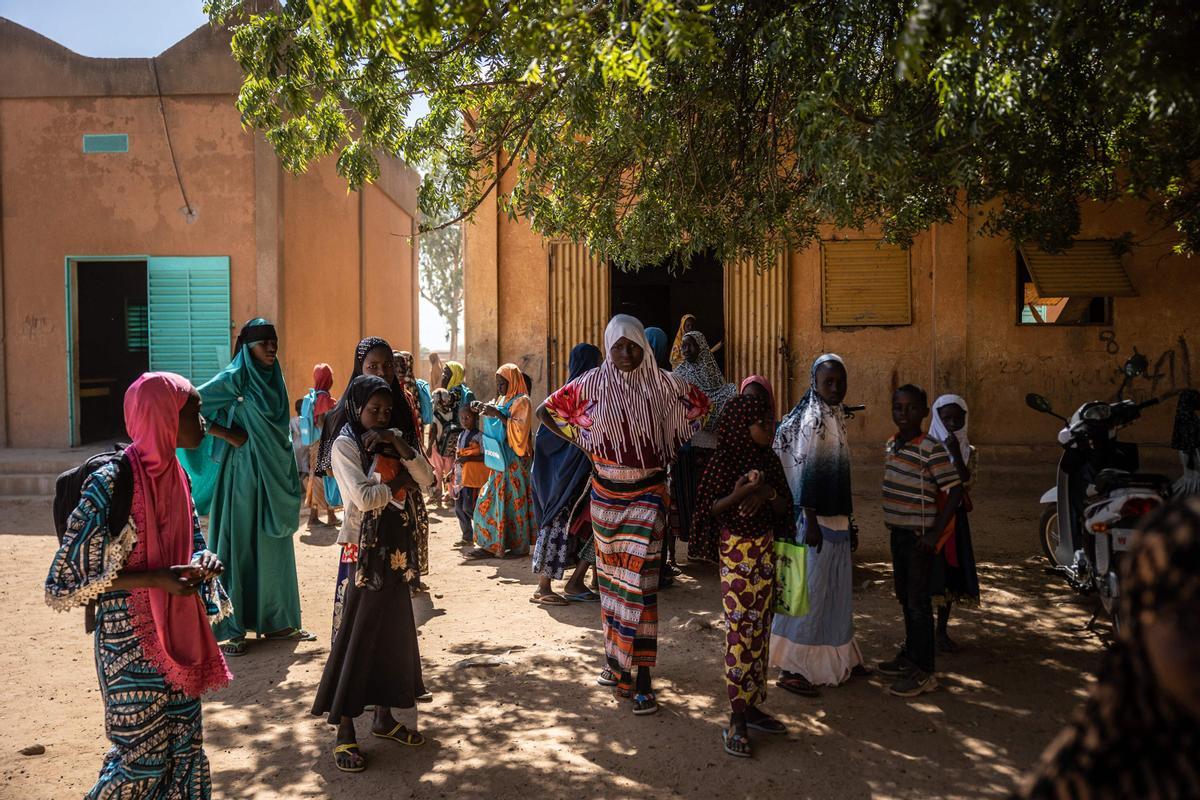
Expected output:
{"points": [[645, 444]]}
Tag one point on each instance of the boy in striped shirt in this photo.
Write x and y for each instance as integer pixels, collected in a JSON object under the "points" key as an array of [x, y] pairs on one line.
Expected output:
{"points": [[916, 470]]}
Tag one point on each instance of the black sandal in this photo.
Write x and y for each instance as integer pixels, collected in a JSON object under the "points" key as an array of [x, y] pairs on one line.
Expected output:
{"points": [[798, 684], [478, 554], [765, 723], [644, 704]]}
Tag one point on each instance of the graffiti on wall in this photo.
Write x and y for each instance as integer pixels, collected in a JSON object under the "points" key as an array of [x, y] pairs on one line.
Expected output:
{"points": [[1167, 372]]}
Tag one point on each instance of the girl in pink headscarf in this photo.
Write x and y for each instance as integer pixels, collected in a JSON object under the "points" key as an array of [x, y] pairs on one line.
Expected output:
{"points": [[156, 592]]}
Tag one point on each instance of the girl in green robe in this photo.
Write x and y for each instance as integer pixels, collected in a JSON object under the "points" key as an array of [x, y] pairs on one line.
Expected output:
{"points": [[245, 478]]}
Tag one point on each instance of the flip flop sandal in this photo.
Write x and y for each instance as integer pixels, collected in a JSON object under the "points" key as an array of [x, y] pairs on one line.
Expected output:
{"points": [[644, 705], [348, 748], [478, 554], [409, 738], [234, 647], [548, 599], [731, 741], [293, 635], [798, 686], [767, 724], [427, 697], [608, 678], [584, 597]]}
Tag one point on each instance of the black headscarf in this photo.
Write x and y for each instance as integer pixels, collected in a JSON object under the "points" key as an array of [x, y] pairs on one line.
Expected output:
{"points": [[360, 390], [335, 420]]}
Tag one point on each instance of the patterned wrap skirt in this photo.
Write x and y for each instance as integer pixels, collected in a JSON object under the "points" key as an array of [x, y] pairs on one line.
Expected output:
{"points": [[503, 519], [628, 527], [747, 593], [156, 733], [560, 541]]}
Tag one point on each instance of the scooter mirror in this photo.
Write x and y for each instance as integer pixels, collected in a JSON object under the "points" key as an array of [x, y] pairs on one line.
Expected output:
{"points": [[1135, 365], [1038, 403]]}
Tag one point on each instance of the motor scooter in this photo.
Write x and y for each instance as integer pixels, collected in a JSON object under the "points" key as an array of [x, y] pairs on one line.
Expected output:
{"points": [[1099, 496]]}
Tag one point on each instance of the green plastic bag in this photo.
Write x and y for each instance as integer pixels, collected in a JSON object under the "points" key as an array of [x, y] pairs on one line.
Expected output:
{"points": [[791, 578]]}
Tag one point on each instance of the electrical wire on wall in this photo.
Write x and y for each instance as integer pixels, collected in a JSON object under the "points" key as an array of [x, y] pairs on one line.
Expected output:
{"points": [[188, 212]]}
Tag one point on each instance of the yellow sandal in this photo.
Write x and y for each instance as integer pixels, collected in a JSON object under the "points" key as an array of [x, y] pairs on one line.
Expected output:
{"points": [[409, 738], [348, 748]]}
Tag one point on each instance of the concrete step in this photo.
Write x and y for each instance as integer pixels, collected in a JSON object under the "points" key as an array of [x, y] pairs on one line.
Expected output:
{"points": [[15, 484]]}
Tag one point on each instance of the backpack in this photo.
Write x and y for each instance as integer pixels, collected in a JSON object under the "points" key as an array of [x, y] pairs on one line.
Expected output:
{"points": [[309, 432], [68, 489]]}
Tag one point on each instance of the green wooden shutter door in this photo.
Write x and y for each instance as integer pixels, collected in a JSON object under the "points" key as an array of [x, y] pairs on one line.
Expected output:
{"points": [[189, 315]]}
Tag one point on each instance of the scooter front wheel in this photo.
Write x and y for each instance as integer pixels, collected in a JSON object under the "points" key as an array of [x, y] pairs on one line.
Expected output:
{"points": [[1048, 534]]}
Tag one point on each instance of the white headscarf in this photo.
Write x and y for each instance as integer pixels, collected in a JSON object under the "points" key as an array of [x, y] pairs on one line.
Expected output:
{"points": [[938, 429], [634, 411]]}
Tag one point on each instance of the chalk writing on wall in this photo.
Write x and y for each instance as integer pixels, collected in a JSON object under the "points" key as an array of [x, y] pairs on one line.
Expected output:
{"points": [[1169, 371], [35, 326]]}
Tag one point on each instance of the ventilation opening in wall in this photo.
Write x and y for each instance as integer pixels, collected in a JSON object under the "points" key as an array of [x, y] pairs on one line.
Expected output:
{"points": [[1057, 291], [106, 143]]}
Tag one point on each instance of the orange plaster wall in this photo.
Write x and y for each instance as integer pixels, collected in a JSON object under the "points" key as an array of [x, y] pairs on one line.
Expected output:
{"points": [[388, 271], [524, 301], [877, 358], [320, 280], [325, 314], [59, 202], [1071, 365]]}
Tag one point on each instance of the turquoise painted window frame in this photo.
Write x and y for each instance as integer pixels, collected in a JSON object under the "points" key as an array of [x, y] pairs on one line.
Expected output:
{"points": [[70, 291]]}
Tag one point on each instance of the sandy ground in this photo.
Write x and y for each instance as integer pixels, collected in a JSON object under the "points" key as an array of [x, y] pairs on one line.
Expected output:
{"points": [[537, 725]]}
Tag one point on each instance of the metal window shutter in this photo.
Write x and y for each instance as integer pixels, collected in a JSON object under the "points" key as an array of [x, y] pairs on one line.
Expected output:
{"points": [[189, 315], [1086, 269], [865, 282], [579, 303], [756, 323]]}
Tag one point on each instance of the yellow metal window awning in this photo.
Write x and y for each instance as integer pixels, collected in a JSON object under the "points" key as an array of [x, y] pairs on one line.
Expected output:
{"points": [[1086, 269], [864, 282]]}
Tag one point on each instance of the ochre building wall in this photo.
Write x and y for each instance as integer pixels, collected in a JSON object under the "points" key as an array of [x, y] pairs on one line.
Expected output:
{"points": [[326, 265], [963, 338], [59, 202]]}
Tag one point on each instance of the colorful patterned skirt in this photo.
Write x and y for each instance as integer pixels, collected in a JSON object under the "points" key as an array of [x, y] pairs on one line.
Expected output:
{"points": [[628, 528], [558, 541], [503, 519], [156, 734], [747, 593]]}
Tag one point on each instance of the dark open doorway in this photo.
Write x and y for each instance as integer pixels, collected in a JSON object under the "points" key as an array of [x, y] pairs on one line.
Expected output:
{"points": [[113, 343], [660, 299]]}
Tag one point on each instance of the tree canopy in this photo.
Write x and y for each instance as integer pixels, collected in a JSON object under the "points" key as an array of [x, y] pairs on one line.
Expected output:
{"points": [[667, 127]]}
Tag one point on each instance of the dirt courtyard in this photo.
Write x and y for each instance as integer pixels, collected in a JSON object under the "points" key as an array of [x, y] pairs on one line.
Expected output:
{"points": [[534, 724]]}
